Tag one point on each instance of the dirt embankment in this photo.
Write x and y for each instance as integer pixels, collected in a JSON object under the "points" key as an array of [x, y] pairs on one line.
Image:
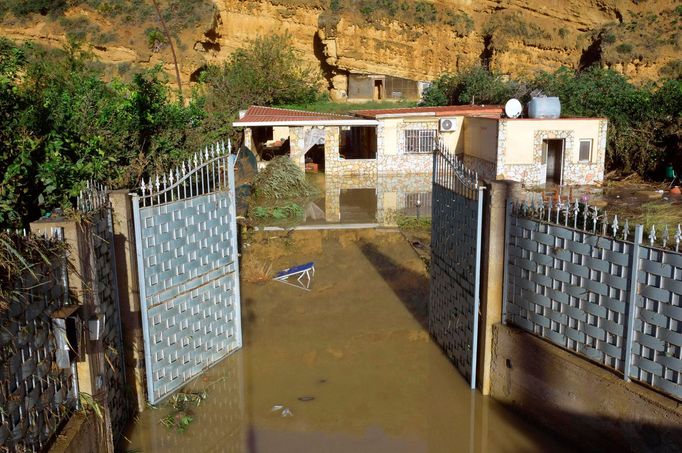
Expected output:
{"points": [[416, 40]]}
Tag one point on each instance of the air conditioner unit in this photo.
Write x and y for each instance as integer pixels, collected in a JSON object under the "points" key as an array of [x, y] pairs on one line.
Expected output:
{"points": [[447, 124]]}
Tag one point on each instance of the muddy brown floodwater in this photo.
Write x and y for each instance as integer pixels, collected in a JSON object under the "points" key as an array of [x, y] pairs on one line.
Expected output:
{"points": [[351, 360]]}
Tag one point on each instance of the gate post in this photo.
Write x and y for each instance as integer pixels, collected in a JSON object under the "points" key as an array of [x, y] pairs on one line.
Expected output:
{"points": [[492, 270], [129, 293], [633, 286]]}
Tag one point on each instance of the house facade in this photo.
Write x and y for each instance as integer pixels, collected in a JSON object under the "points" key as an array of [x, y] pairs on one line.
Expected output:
{"points": [[401, 141], [564, 151]]}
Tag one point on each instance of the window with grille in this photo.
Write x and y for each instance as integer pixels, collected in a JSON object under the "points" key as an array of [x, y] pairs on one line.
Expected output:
{"points": [[585, 150], [420, 140]]}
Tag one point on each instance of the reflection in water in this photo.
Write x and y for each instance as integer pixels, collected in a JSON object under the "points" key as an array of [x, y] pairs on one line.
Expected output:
{"points": [[218, 422], [371, 198], [350, 359]]}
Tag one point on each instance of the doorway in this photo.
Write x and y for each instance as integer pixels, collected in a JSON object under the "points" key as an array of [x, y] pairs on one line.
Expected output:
{"points": [[378, 89], [554, 158]]}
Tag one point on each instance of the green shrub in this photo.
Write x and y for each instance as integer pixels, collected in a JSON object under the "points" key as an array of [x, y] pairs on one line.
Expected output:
{"points": [[409, 223], [367, 10], [268, 71], [608, 38], [156, 39], [63, 125], [425, 13], [460, 22], [504, 27], [474, 84], [624, 48], [44, 7]]}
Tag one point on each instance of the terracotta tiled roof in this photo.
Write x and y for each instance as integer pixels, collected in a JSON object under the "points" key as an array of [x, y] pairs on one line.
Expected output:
{"points": [[257, 114], [448, 110]]}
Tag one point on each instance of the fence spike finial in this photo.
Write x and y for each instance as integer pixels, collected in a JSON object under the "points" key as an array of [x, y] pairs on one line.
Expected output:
{"points": [[652, 235], [605, 223], [666, 236], [614, 225], [143, 186], [595, 217], [229, 146], [626, 230], [157, 183], [678, 237], [586, 214]]}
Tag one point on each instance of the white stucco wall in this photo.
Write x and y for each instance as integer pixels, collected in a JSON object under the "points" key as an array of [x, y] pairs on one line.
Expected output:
{"points": [[480, 138], [520, 149]]}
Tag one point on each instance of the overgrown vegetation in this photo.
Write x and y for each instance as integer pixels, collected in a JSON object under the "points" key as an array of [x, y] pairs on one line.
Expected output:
{"points": [[282, 179], [269, 71], [62, 125], [179, 14], [504, 27], [279, 191], [378, 12], [645, 123], [475, 85], [24, 256], [642, 37], [415, 224]]}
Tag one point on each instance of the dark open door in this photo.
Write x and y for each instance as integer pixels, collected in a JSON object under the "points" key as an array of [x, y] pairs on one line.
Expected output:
{"points": [[555, 159]]}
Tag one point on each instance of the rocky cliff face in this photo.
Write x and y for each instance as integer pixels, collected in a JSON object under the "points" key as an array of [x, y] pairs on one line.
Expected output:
{"points": [[417, 40]]}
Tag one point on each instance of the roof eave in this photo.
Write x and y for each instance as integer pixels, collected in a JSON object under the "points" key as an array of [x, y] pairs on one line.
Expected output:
{"points": [[307, 123]]}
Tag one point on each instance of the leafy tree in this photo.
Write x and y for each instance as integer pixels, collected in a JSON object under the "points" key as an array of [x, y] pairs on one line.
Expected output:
{"points": [[645, 123], [596, 92], [475, 84], [267, 72], [63, 125]]}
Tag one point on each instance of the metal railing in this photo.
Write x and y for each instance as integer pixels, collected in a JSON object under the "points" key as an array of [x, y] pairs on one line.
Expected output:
{"points": [[596, 286], [207, 171]]}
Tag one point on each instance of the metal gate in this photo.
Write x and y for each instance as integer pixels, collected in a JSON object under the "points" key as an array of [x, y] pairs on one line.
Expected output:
{"points": [[186, 235], [457, 204]]}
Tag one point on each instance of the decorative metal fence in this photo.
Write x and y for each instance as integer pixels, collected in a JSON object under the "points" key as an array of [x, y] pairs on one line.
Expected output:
{"points": [[592, 285], [38, 386], [186, 243], [455, 260]]}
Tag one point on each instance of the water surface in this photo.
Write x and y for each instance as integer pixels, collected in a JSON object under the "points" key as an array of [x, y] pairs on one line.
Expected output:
{"points": [[350, 359]]}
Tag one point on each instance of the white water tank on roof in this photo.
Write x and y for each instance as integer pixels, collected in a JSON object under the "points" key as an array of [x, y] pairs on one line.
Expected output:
{"points": [[544, 107]]}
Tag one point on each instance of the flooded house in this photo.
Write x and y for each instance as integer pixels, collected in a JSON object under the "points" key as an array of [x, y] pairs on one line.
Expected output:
{"points": [[383, 158]]}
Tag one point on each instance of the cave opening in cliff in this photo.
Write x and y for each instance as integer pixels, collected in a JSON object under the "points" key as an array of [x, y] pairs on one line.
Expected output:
{"points": [[358, 143]]}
